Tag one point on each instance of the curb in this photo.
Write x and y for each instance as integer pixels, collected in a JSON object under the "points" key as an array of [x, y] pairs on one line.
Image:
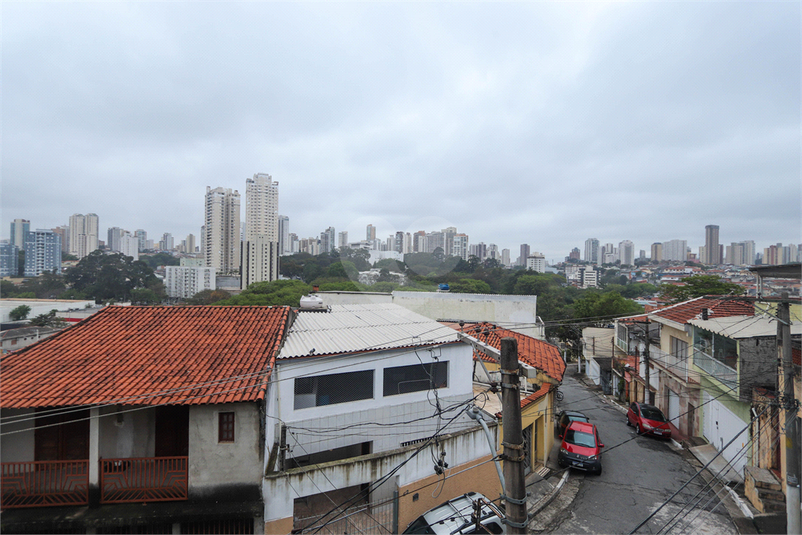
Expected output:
{"points": [[544, 502]]}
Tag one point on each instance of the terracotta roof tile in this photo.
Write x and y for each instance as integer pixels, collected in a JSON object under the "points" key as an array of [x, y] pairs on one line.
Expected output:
{"points": [[149, 356], [718, 308], [531, 351], [536, 395]]}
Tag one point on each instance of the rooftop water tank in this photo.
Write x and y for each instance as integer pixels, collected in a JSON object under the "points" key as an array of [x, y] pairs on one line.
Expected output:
{"points": [[312, 302]]}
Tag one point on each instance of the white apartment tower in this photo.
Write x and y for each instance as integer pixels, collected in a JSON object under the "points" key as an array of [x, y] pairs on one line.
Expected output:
{"points": [[536, 262], [284, 243], [592, 250], [83, 234], [260, 249], [221, 244], [626, 253]]}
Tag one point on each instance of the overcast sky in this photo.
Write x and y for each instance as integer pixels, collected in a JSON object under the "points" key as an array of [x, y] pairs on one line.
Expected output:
{"points": [[532, 122]]}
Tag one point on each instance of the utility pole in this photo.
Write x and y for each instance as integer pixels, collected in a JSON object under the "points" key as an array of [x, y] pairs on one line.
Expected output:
{"points": [[792, 442], [648, 396], [515, 485]]}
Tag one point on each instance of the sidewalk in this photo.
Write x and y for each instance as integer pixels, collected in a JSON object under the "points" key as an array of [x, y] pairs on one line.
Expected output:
{"points": [[550, 490]]}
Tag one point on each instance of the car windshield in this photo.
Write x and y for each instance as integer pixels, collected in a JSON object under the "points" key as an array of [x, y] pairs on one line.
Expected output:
{"points": [[651, 413], [580, 438], [577, 418]]}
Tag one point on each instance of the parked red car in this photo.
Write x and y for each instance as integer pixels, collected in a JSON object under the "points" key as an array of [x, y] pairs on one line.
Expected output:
{"points": [[581, 447], [648, 419]]}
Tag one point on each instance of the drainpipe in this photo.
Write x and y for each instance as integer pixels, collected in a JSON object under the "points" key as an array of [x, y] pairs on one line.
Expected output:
{"points": [[476, 414]]}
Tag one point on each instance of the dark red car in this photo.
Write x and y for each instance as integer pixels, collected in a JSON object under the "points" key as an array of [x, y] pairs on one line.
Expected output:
{"points": [[648, 419], [581, 447]]}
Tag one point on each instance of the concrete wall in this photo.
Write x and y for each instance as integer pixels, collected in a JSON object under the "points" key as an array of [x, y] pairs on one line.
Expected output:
{"points": [[132, 434], [41, 306], [515, 312], [214, 464], [465, 451], [18, 447], [310, 429], [757, 365]]}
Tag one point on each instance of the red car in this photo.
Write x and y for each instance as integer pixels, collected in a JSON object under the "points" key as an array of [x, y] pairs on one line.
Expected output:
{"points": [[648, 419], [581, 447]]}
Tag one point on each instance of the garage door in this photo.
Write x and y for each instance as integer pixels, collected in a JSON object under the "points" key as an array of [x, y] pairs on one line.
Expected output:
{"points": [[673, 407], [720, 426]]}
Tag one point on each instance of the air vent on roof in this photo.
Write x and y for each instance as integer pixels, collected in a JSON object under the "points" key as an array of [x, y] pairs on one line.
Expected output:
{"points": [[313, 303]]}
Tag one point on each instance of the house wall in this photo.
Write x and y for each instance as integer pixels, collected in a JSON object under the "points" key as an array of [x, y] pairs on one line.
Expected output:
{"points": [[757, 365], [131, 435], [540, 415], [214, 464], [306, 427], [466, 450], [18, 447]]}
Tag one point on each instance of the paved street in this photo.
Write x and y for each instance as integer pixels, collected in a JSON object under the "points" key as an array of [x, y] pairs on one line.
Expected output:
{"points": [[638, 476]]}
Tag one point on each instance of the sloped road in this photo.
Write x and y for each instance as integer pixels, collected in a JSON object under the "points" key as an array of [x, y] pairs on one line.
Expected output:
{"points": [[639, 474]]}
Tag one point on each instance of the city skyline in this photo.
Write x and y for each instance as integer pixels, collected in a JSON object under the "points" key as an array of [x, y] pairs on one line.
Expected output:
{"points": [[535, 123]]}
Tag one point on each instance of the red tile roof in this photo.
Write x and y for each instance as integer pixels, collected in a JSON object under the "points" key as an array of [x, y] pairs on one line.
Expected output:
{"points": [[536, 395], [149, 356], [718, 308], [531, 351]]}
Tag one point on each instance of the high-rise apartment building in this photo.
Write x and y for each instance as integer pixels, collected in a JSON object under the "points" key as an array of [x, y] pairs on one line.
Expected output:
{"points": [[42, 252], [221, 244], [448, 240], [284, 245], [592, 251], [505, 257], [342, 240], [183, 282], [574, 254], [370, 233], [63, 232], [19, 229], [675, 251], [260, 249], [129, 246], [114, 235], [626, 253], [536, 262], [327, 243], [712, 247], [461, 246], [83, 234], [9, 260], [142, 238], [525, 250], [657, 252]]}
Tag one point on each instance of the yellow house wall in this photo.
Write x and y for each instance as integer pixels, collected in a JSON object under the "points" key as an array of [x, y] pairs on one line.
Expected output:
{"points": [[424, 494]]}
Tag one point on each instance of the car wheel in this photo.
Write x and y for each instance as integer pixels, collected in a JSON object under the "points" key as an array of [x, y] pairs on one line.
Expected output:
{"points": [[638, 430], [598, 472], [629, 424]]}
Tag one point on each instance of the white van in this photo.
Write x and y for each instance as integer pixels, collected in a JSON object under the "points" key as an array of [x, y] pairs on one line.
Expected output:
{"points": [[458, 517]]}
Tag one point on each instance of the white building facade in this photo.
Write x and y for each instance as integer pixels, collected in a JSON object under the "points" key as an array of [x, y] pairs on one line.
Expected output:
{"points": [[183, 282], [221, 243]]}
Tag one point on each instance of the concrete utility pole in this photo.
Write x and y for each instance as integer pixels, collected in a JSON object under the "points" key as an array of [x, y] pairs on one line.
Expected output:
{"points": [[515, 485], [648, 392], [792, 445]]}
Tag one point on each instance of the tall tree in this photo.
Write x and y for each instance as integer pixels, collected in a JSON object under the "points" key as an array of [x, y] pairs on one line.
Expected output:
{"points": [[112, 277], [698, 286]]}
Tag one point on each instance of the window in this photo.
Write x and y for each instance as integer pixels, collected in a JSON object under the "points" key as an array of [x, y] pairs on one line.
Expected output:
{"points": [[225, 427], [332, 389], [405, 379]]}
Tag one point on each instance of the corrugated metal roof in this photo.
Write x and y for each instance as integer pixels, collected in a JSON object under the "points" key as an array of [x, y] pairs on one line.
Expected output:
{"points": [[366, 327], [740, 327]]}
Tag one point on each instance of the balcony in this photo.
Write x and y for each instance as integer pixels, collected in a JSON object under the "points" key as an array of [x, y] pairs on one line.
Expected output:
{"points": [[54, 483], [716, 369], [44, 484], [145, 479]]}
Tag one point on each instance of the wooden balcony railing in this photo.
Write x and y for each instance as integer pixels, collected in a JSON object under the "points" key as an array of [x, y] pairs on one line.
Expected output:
{"points": [[44, 483], [144, 479]]}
